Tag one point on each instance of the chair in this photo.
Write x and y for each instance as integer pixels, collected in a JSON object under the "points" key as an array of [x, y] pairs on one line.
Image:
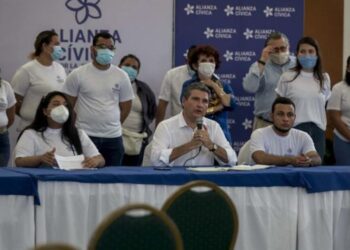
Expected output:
{"points": [[244, 156], [205, 215], [137, 226], [55, 246]]}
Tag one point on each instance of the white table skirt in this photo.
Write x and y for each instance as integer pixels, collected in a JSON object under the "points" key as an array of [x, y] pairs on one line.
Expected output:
{"points": [[70, 211], [324, 220], [17, 228]]}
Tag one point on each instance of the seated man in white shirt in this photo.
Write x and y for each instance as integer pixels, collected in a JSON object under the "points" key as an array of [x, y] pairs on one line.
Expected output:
{"points": [[189, 138], [279, 143]]}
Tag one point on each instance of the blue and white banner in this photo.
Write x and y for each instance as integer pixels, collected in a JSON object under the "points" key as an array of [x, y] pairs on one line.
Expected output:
{"points": [[143, 28], [238, 30], [134, 24]]}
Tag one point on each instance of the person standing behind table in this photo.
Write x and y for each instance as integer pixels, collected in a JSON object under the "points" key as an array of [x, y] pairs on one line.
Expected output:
{"points": [[7, 116], [280, 144], [53, 132], [190, 139], [171, 88], [38, 77], [143, 107], [264, 74], [309, 88], [102, 95], [338, 108], [204, 60]]}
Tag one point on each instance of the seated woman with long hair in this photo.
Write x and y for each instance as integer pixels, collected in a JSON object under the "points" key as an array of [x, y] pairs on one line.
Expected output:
{"points": [[53, 132]]}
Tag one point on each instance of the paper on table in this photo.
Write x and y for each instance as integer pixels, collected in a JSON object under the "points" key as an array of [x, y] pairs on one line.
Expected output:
{"points": [[252, 167], [220, 169], [69, 162], [210, 169]]}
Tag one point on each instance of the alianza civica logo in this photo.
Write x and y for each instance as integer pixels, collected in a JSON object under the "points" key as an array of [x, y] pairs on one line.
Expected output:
{"points": [[84, 9]]}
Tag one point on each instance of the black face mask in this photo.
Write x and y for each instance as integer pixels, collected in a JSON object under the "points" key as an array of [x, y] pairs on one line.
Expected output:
{"points": [[347, 77], [281, 129]]}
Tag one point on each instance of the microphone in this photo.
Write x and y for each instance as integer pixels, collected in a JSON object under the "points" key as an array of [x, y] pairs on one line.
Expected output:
{"points": [[199, 123]]}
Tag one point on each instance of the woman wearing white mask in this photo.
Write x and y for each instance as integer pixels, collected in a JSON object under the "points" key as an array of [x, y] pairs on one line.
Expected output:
{"points": [[39, 76], [53, 132], [142, 111], [309, 88], [204, 60]]}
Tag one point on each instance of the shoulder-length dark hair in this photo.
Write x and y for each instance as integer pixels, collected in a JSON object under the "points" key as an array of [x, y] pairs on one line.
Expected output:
{"points": [[318, 69], [69, 131], [347, 74]]}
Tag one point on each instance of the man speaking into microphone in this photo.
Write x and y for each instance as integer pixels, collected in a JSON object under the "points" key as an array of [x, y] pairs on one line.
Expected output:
{"points": [[190, 139]]}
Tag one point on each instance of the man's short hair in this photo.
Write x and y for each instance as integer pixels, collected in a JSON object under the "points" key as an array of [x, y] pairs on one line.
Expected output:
{"points": [[275, 36], [282, 100], [104, 35], [196, 86]]}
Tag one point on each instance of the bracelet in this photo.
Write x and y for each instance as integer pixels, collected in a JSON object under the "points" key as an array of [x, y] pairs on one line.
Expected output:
{"points": [[261, 62]]}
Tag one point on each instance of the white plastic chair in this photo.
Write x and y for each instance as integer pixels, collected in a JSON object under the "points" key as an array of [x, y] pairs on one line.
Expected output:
{"points": [[244, 156]]}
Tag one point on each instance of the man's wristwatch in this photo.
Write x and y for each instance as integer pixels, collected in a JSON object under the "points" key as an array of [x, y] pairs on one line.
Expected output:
{"points": [[214, 148]]}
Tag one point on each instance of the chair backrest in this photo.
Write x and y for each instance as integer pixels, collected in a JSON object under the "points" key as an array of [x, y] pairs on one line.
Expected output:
{"points": [[137, 226], [244, 156], [146, 161], [55, 246], [205, 215]]}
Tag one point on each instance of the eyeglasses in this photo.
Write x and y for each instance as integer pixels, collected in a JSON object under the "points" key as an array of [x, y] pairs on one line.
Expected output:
{"points": [[103, 46], [280, 49]]}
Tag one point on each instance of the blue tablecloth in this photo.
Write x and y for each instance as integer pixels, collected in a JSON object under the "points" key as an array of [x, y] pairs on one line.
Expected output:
{"points": [[316, 179], [14, 183]]}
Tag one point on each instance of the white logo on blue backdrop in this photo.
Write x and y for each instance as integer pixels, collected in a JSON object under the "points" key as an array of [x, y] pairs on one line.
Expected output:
{"points": [[238, 30]]}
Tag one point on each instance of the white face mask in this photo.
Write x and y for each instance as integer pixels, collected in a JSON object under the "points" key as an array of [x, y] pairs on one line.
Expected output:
{"points": [[206, 69], [280, 58], [59, 114]]}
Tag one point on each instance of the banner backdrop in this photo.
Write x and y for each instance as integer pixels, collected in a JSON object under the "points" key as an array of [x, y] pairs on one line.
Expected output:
{"points": [[238, 30], [143, 28], [134, 25]]}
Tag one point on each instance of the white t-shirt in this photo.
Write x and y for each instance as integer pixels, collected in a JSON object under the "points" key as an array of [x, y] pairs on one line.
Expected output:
{"points": [[31, 143], [174, 132], [340, 101], [134, 121], [99, 93], [171, 87], [7, 100], [309, 99], [295, 143], [33, 81]]}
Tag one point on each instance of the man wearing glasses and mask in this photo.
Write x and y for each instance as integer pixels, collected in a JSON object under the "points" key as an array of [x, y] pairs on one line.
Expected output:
{"points": [[102, 95], [264, 74]]}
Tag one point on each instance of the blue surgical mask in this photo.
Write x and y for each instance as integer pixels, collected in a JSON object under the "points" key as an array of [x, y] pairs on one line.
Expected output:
{"points": [[104, 56], [56, 53], [132, 73], [307, 62]]}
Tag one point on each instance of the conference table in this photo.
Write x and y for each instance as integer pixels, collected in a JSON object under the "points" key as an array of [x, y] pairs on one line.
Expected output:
{"points": [[279, 208], [17, 225]]}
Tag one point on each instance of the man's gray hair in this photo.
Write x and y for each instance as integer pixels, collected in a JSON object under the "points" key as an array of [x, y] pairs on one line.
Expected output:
{"points": [[275, 36], [196, 86]]}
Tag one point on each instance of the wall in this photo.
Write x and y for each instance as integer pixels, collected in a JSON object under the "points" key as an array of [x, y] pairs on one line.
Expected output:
{"points": [[324, 21], [346, 32]]}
